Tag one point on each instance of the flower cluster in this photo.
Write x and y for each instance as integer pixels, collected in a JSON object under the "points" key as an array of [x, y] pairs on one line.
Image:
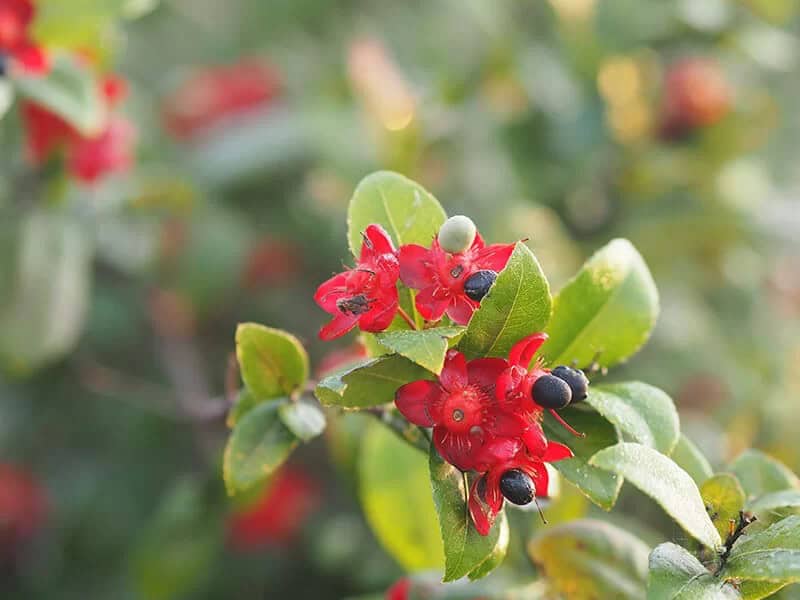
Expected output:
{"points": [[17, 48], [451, 277], [486, 417]]}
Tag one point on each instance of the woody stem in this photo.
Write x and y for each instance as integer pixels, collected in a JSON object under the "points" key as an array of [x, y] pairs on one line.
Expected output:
{"points": [[406, 317]]}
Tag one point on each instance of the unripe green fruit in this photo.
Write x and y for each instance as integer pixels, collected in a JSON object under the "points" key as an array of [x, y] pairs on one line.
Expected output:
{"points": [[457, 234]]}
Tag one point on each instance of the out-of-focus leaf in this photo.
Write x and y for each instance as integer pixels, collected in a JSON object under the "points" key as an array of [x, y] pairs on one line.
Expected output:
{"points": [[724, 498], [756, 590], [775, 500], [677, 575], [465, 550], [642, 411], [47, 292], [273, 362], [68, 90], [369, 383], [600, 486], [395, 491], [259, 444], [760, 474], [304, 419], [689, 458], [406, 210], [517, 305], [589, 559], [245, 402], [426, 348], [771, 555], [609, 307], [664, 481]]}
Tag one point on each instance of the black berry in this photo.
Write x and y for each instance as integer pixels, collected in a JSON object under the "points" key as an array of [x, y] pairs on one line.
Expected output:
{"points": [[551, 392], [576, 380], [477, 285], [517, 487]]}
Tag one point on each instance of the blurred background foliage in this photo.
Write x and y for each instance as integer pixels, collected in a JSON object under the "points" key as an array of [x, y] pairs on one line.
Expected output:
{"points": [[560, 121]]}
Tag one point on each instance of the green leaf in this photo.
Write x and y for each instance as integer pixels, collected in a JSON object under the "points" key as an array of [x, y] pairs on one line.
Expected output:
{"points": [[244, 403], [517, 305], [677, 575], [259, 444], [273, 363], [395, 492], [408, 212], [426, 348], [600, 486], [642, 411], [760, 474], [588, 559], [465, 550], [609, 308], [68, 90], [724, 498], [689, 458], [670, 486], [771, 555], [369, 383], [304, 419], [775, 500], [756, 590]]}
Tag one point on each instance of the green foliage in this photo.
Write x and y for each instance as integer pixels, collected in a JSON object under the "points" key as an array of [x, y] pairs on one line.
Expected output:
{"points": [[258, 445], [606, 311], [640, 411], [760, 474], [769, 555], [724, 499], [689, 458], [664, 481], [517, 305], [304, 419], [427, 348], [588, 559], [273, 363], [775, 500], [677, 575], [395, 493], [465, 550]]}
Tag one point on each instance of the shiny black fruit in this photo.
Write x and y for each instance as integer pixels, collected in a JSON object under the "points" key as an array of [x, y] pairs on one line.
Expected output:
{"points": [[576, 380], [551, 392], [477, 285], [517, 487]]}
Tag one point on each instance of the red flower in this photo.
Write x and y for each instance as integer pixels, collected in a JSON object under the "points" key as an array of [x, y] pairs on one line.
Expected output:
{"points": [[366, 295], [459, 407], [16, 17], [23, 507], [277, 515], [486, 499], [400, 590], [696, 94], [212, 94], [439, 276]]}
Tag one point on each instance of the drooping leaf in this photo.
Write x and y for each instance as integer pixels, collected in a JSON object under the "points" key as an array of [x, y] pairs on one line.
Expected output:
{"points": [[775, 500], [258, 445], [675, 574], [369, 383], [689, 458], [465, 550], [273, 363], [724, 498], [641, 411], [606, 311], [760, 474], [68, 90], [408, 212], [395, 491], [670, 486], [304, 419], [426, 348], [589, 559], [517, 305], [772, 554], [600, 486]]}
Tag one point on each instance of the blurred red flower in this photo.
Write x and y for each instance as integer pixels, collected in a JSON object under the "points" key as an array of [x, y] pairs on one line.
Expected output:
{"points": [[271, 262], [211, 94], [399, 590], [16, 17], [696, 94], [277, 515], [23, 508], [340, 358]]}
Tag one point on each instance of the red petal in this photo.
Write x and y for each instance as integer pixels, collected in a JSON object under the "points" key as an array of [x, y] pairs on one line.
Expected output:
{"points": [[482, 516], [340, 325], [457, 449], [508, 383], [541, 479], [494, 497], [329, 292], [500, 450], [460, 309], [31, 58], [383, 310], [414, 401], [556, 451], [376, 242], [454, 374], [415, 270], [494, 257], [432, 302], [485, 371], [523, 351], [535, 441]]}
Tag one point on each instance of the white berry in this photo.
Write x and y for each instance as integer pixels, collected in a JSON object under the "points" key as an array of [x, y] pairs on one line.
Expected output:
{"points": [[457, 234]]}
